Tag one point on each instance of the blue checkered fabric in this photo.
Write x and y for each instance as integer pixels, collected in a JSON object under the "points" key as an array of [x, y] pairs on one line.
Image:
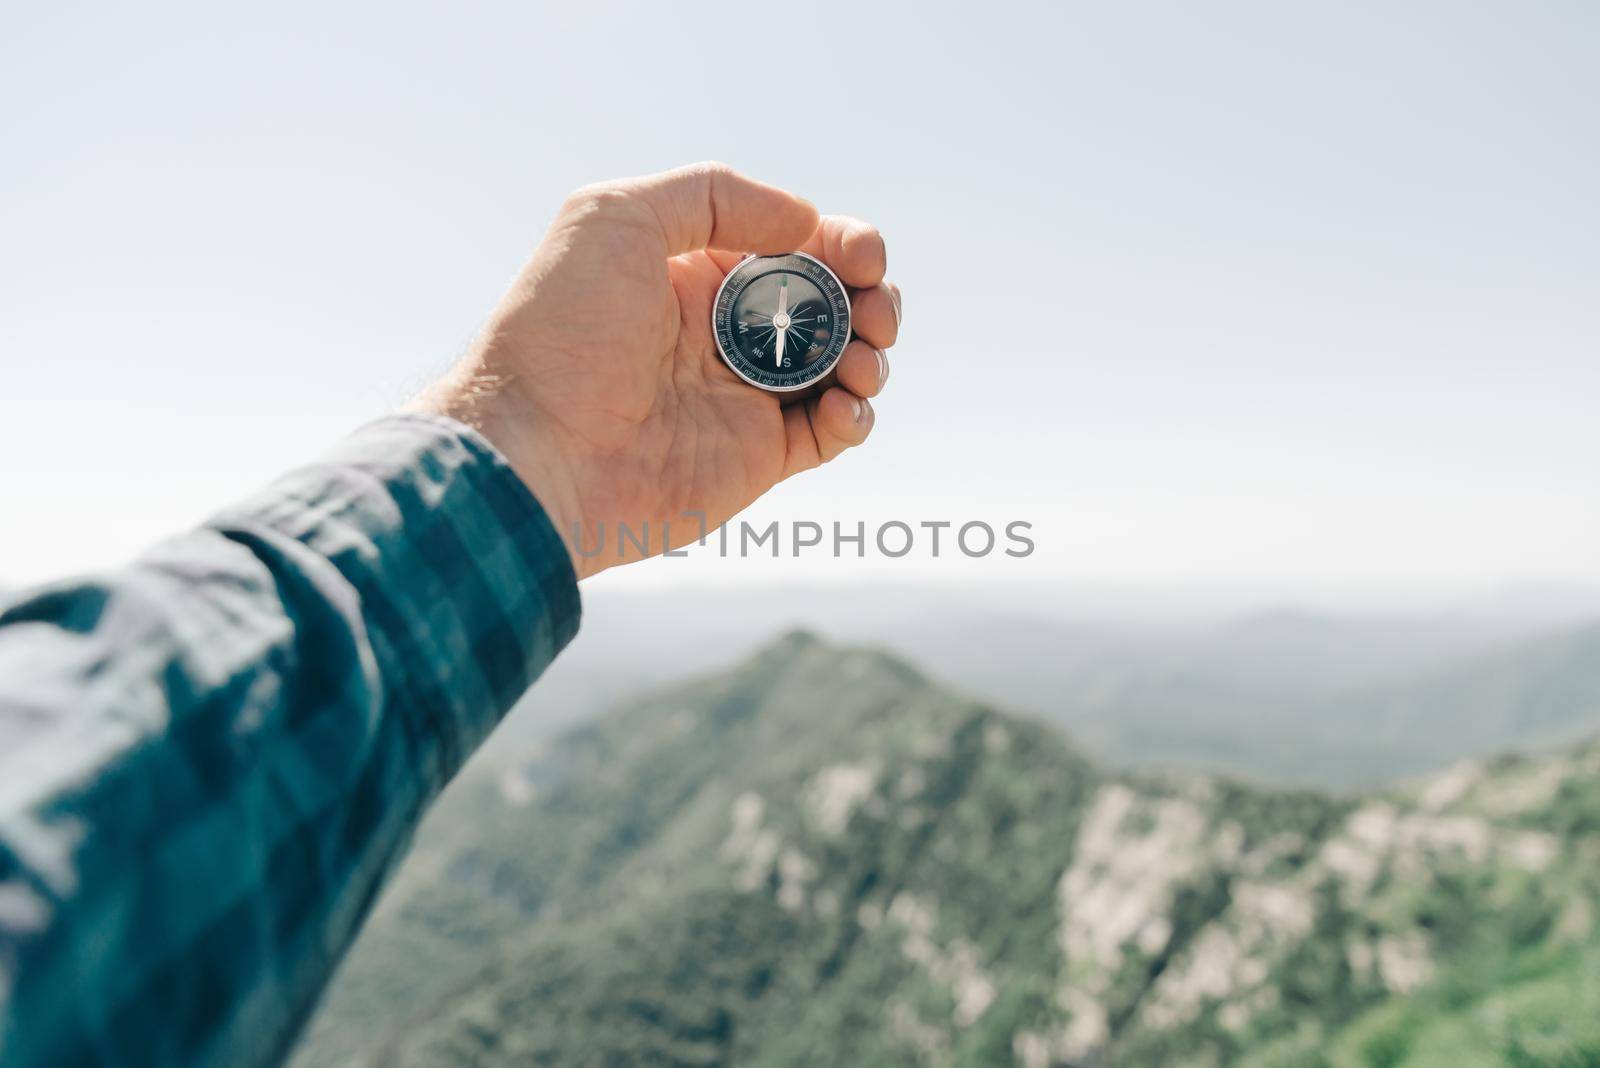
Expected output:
{"points": [[210, 760]]}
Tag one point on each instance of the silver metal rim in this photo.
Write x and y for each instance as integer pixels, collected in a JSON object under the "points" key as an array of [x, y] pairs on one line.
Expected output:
{"points": [[728, 360]]}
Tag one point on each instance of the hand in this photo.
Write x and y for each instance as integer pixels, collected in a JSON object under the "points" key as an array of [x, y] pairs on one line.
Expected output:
{"points": [[598, 379]]}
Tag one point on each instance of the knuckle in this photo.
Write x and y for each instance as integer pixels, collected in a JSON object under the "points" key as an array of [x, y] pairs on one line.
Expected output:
{"points": [[581, 202], [593, 193], [598, 199], [710, 168]]}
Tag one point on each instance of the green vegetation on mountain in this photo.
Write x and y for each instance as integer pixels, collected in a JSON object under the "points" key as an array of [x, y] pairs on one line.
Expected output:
{"points": [[821, 858]]}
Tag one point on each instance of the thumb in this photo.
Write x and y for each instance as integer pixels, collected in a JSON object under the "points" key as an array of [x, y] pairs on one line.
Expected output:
{"points": [[711, 205]]}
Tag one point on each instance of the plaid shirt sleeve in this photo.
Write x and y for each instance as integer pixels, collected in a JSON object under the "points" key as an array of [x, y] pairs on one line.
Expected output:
{"points": [[210, 760]]}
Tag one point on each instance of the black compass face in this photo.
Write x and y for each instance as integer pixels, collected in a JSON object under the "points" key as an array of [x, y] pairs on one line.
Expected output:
{"points": [[781, 322]]}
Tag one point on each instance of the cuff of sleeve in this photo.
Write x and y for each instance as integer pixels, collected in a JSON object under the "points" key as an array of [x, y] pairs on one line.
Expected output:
{"points": [[463, 585]]}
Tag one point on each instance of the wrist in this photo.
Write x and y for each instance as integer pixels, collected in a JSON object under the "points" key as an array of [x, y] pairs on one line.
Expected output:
{"points": [[517, 432]]}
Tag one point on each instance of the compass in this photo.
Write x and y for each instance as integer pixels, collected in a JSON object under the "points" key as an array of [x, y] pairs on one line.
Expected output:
{"points": [[781, 322]]}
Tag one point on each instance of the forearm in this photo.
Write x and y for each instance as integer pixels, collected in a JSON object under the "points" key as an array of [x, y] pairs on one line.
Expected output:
{"points": [[209, 761]]}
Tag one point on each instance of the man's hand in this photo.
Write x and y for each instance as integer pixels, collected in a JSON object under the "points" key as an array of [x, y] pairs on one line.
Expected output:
{"points": [[598, 378]]}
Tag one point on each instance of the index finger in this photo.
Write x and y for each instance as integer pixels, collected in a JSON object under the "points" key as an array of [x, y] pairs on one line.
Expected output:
{"points": [[713, 206], [853, 249]]}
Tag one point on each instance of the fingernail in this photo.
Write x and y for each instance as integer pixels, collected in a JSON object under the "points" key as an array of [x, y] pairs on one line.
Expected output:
{"points": [[860, 408], [894, 299], [883, 366]]}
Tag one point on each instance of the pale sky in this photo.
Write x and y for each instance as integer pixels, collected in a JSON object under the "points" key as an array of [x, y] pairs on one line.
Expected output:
{"points": [[1304, 298]]}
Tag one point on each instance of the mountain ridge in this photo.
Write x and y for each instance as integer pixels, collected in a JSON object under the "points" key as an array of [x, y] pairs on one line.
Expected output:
{"points": [[822, 856]]}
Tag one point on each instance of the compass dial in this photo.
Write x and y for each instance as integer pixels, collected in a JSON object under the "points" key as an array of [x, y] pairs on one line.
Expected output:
{"points": [[781, 322]]}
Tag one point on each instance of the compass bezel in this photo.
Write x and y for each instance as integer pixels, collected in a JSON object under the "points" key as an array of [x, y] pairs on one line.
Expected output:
{"points": [[748, 270]]}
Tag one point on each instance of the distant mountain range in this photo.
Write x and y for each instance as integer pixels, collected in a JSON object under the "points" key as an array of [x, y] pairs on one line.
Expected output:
{"points": [[822, 857], [1290, 697]]}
